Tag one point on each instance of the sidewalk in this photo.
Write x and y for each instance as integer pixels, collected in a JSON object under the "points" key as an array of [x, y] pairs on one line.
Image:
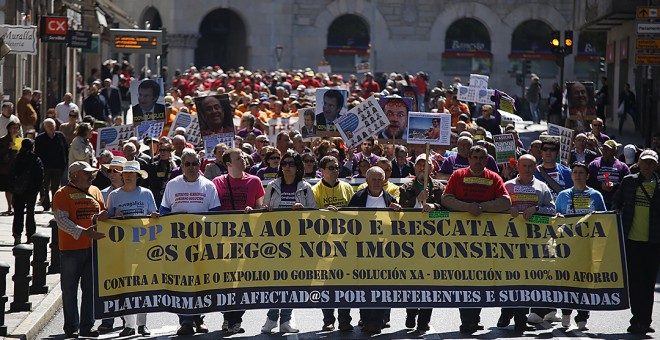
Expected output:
{"points": [[26, 325]]}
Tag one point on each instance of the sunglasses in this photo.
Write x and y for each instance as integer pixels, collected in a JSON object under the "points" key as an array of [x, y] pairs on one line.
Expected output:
{"points": [[191, 164], [308, 160], [73, 115], [288, 163], [597, 124], [274, 158], [263, 141], [549, 149], [332, 168]]}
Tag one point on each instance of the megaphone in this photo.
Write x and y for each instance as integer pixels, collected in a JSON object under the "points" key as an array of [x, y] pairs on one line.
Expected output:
{"points": [[4, 49]]}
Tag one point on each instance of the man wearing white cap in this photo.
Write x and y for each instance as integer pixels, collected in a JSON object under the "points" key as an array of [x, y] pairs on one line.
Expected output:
{"points": [[74, 206], [132, 200], [636, 196]]}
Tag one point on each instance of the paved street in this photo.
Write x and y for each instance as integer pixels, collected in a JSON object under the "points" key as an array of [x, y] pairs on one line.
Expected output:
{"points": [[444, 325]]}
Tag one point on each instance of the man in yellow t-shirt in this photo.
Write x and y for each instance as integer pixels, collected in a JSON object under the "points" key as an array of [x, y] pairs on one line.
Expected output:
{"points": [[331, 193]]}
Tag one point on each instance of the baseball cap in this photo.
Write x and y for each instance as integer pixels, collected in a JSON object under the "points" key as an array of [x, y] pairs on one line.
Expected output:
{"points": [[422, 157], [612, 144], [629, 152], [649, 154], [84, 166]]}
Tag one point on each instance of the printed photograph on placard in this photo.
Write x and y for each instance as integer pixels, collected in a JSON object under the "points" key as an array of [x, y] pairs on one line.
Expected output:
{"points": [[150, 128], [581, 102], [190, 123], [211, 141], [361, 122], [215, 114], [396, 110], [110, 138], [432, 128], [307, 123], [147, 100], [331, 104]]}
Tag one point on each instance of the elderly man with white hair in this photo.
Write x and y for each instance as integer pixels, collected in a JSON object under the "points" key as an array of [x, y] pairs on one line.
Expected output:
{"points": [[374, 196], [52, 149]]}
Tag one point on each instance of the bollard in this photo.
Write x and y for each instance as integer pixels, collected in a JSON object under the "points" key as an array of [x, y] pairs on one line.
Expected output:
{"points": [[21, 278], [39, 263], [54, 267], [4, 270]]}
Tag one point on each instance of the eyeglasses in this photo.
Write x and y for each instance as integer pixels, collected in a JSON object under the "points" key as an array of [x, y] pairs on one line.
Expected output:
{"points": [[191, 164], [309, 160], [549, 149], [288, 163], [274, 159], [332, 168], [263, 141], [73, 116]]}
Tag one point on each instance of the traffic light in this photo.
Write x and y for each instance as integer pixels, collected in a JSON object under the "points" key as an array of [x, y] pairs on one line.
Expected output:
{"points": [[555, 42], [526, 67], [602, 64], [568, 42]]}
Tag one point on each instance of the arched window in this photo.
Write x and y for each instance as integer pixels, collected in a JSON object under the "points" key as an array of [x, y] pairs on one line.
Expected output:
{"points": [[467, 48], [223, 40], [347, 43], [591, 47], [152, 16], [531, 41]]}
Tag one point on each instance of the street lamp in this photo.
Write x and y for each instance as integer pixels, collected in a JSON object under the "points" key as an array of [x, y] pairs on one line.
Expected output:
{"points": [[278, 55]]}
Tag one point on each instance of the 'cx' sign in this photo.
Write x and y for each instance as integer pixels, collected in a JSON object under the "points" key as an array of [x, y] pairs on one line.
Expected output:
{"points": [[54, 29]]}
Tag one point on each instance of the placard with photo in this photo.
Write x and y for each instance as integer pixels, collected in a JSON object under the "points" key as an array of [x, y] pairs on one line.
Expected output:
{"points": [[581, 102], [362, 122], [147, 101], [110, 138], [396, 111], [331, 104], [191, 123], [215, 115], [432, 128]]}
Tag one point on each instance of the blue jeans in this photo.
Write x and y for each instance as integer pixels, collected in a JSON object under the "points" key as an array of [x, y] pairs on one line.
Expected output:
{"points": [[283, 314], [534, 110], [76, 268]]}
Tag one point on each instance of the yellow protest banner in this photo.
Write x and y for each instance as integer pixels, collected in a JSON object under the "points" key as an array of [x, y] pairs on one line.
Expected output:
{"points": [[197, 263]]}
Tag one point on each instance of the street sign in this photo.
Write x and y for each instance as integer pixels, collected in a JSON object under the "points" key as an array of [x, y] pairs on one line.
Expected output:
{"points": [[648, 44], [79, 39], [647, 12], [647, 59], [21, 39], [648, 28], [136, 41], [54, 29]]}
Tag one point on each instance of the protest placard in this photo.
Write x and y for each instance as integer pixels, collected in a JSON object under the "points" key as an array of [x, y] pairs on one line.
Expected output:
{"points": [[565, 142], [190, 123], [357, 258], [149, 128], [396, 111], [362, 122], [331, 104], [211, 141], [432, 128], [110, 138], [147, 101], [505, 148], [581, 102], [307, 123]]}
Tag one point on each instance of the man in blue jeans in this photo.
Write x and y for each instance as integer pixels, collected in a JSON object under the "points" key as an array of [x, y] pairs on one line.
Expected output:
{"points": [[75, 206]]}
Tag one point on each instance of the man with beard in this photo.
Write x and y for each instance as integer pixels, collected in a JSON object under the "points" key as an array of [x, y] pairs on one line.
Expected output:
{"points": [[396, 111]]}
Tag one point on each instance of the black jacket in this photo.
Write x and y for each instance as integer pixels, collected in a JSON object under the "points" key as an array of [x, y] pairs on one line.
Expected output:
{"points": [[589, 156], [624, 201], [359, 199], [408, 169], [53, 152], [28, 174]]}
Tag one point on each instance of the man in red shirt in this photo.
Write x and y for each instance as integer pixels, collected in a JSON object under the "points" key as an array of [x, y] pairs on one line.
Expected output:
{"points": [[369, 86], [475, 189]]}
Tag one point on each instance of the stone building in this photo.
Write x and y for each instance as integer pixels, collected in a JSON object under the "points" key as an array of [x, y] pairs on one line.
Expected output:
{"points": [[443, 38]]}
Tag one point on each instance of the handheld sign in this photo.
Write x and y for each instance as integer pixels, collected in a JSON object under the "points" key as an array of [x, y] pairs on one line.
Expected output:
{"points": [[361, 122]]}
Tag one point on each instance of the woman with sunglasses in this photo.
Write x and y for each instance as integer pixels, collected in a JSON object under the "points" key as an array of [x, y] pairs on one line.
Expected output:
{"points": [[272, 161], [309, 165], [288, 190]]}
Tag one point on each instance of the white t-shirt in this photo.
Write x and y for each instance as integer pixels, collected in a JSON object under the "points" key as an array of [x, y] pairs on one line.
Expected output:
{"points": [[190, 197], [139, 202], [5, 120], [63, 111], [375, 202]]}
